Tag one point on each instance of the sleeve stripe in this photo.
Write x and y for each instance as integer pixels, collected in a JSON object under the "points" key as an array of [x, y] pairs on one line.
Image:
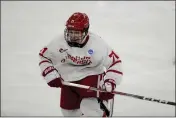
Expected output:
{"points": [[46, 58], [48, 70], [115, 71], [44, 62], [119, 61]]}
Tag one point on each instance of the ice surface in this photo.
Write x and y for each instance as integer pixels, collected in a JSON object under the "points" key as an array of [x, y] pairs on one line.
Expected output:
{"points": [[143, 34]]}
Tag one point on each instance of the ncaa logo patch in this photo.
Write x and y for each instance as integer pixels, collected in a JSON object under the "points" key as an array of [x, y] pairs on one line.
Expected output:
{"points": [[90, 51]]}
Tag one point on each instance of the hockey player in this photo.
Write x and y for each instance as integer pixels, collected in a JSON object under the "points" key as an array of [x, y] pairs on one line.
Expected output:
{"points": [[81, 57]]}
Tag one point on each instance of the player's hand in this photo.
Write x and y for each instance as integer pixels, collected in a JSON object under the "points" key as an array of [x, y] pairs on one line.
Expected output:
{"points": [[52, 77], [108, 85]]}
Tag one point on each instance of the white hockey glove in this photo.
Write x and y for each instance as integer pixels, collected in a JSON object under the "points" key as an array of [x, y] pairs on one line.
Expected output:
{"points": [[52, 77], [109, 85]]}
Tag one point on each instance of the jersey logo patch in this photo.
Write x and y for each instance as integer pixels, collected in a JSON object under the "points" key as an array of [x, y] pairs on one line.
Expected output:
{"points": [[90, 51]]}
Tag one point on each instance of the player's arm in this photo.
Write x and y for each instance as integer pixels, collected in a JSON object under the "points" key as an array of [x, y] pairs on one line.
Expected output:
{"points": [[48, 71], [113, 76]]}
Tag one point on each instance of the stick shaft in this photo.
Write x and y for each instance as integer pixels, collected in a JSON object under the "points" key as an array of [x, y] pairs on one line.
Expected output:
{"points": [[121, 93]]}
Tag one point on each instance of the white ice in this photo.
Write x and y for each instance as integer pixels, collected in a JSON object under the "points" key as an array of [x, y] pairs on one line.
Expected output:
{"points": [[143, 34]]}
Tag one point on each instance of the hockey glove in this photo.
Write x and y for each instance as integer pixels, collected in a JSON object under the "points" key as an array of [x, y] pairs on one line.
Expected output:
{"points": [[52, 77], [108, 85]]}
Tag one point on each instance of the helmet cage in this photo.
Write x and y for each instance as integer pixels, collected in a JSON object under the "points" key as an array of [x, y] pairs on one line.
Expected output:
{"points": [[75, 38]]}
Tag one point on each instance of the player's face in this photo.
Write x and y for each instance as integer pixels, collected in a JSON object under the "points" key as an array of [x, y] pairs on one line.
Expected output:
{"points": [[75, 36]]}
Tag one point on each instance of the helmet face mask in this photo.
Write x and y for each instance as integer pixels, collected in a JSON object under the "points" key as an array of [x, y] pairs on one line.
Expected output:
{"points": [[75, 36], [76, 29]]}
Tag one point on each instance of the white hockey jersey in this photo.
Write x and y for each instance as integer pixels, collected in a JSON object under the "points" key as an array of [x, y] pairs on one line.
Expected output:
{"points": [[75, 63]]}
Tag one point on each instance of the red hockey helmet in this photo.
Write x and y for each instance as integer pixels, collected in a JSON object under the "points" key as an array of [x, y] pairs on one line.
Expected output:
{"points": [[76, 29], [78, 21]]}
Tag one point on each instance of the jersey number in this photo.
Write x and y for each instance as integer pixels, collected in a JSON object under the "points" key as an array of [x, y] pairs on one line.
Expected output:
{"points": [[42, 51], [114, 57]]}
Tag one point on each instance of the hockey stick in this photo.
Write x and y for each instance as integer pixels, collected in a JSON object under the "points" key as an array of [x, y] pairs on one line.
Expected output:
{"points": [[112, 106], [120, 93]]}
